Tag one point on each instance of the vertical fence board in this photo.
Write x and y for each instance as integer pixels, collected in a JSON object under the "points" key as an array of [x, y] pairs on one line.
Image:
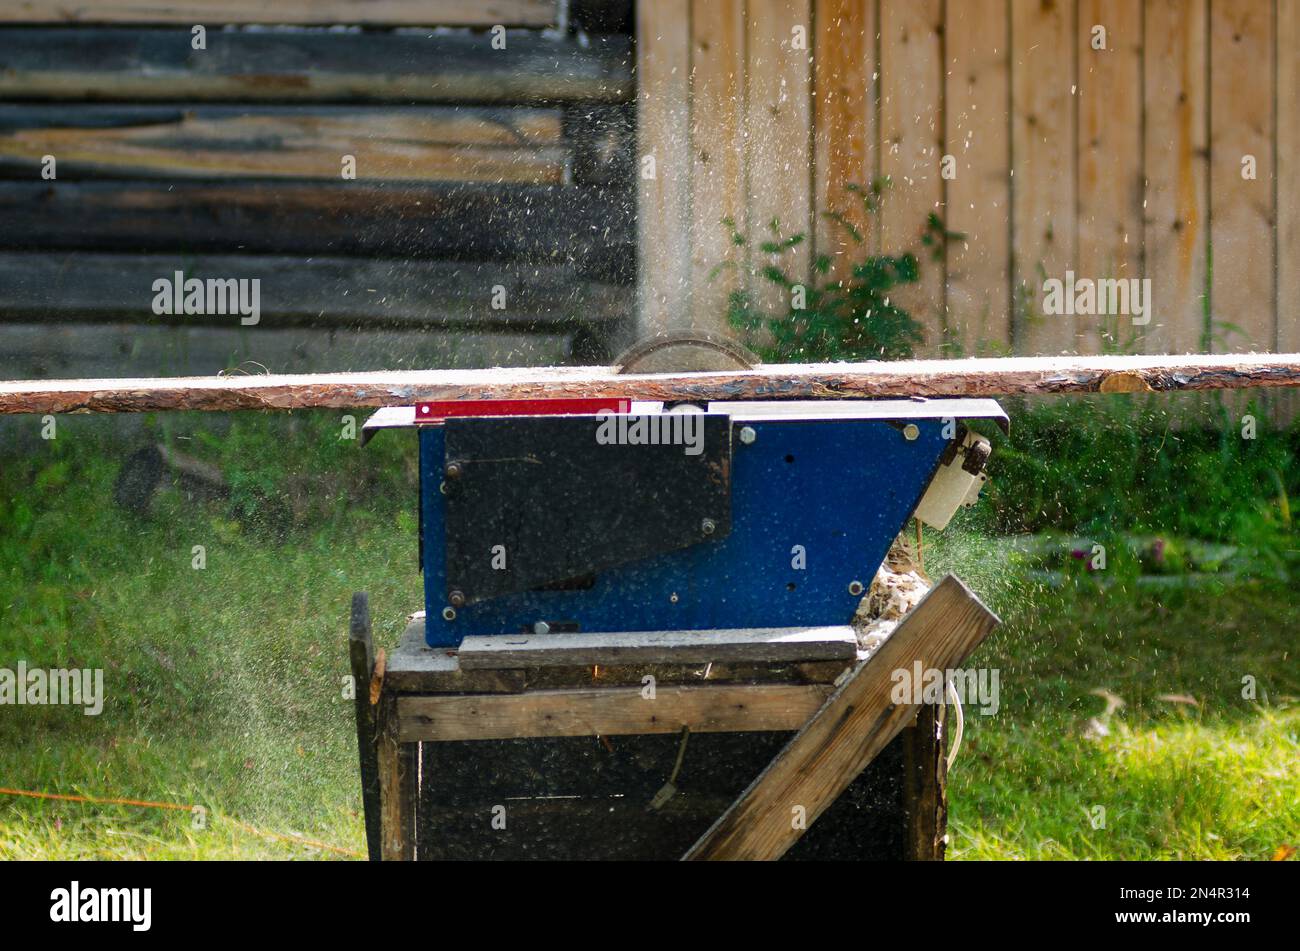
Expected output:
{"points": [[1241, 211], [779, 134], [978, 201], [1110, 157], [1288, 181], [911, 147], [1117, 163], [1042, 155], [717, 147], [844, 119], [663, 122], [1177, 173]]}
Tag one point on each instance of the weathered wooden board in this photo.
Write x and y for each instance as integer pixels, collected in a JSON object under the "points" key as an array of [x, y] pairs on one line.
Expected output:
{"points": [[1176, 155], [916, 378], [400, 144], [1042, 165], [1242, 218], [415, 667], [717, 154], [845, 140], [590, 229], [329, 12], [659, 647], [978, 202], [1288, 175], [911, 150], [778, 124], [1109, 163], [399, 787], [409, 67], [316, 291], [609, 711], [48, 349], [664, 180], [925, 777], [361, 653], [856, 723]]}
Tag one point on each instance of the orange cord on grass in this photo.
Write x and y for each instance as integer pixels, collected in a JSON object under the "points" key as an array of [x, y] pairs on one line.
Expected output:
{"points": [[112, 801]]}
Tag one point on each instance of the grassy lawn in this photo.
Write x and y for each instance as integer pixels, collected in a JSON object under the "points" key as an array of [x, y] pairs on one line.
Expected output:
{"points": [[225, 685], [1218, 780]]}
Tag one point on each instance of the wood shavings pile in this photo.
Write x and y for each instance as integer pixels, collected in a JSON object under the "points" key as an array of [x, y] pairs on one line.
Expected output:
{"points": [[899, 586]]}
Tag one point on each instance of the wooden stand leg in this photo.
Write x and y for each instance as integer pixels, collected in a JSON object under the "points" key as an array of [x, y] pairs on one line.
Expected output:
{"points": [[399, 765], [925, 767], [362, 652]]}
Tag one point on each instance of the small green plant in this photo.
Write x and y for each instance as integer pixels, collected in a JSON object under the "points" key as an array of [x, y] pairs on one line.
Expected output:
{"points": [[827, 319]]}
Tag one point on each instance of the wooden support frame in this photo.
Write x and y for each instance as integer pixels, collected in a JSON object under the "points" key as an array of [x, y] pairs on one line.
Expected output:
{"points": [[427, 698], [362, 651]]}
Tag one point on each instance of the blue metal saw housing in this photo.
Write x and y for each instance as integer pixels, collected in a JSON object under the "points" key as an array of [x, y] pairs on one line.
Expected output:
{"points": [[829, 490]]}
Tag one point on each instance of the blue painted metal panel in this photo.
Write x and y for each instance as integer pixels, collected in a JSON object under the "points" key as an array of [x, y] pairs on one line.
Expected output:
{"points": [[843, 489]]}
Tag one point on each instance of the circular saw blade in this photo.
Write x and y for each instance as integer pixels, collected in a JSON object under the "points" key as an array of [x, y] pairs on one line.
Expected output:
{"points": [[694, 351]]}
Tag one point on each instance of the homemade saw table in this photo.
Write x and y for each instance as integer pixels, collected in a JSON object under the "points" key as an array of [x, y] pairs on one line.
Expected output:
{"points": [[631, 606]]}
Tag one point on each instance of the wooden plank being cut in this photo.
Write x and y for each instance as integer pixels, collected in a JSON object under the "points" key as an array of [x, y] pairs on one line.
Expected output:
{"points": [[609, 711], [533, 13], [385, 144], [856, 723], [137, 65], [910, 378], [659, 647]]}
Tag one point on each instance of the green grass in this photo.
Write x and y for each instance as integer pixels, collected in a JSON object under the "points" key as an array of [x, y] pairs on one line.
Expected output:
{"points": [[225, 685], [1220, 780]]}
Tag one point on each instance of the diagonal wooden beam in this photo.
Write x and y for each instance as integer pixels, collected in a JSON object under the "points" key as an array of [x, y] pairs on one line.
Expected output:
{"points": [[993, 377], [849, 730]]}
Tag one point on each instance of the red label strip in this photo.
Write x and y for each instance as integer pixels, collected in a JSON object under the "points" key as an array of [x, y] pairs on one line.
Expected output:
{"points": [[435, 411]]}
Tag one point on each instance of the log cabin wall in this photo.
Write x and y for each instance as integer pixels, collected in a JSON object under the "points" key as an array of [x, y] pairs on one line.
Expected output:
{"points": [[1171, 154], [490, 219]]}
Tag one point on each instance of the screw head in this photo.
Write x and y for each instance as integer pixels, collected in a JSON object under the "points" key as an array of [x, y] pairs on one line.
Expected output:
{"points": [[911, 431], [747, 435], [457, 598], [672, 598], [454, 470], [708, 527], [855, 588], [449, 614]]}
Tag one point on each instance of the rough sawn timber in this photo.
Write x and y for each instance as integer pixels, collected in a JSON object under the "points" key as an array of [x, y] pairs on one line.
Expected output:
{"points": [[923, 378]]}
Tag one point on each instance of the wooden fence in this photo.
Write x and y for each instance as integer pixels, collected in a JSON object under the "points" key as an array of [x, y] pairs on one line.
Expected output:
{"points": [[1172, 154], [490, 217]]}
